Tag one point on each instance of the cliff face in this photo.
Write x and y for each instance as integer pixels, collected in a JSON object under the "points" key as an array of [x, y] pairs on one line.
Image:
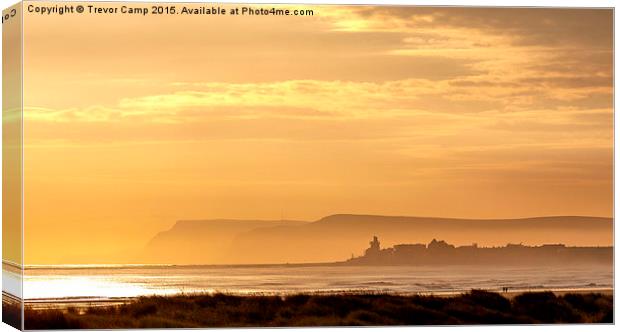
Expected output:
{"points": [[202, 241], [338, 237]]}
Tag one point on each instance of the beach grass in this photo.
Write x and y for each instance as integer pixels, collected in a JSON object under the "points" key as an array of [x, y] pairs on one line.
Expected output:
{"points": [[221, 310]]}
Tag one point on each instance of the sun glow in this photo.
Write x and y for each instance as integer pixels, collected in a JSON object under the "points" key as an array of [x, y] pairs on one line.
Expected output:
{"points": [[481, 113]]}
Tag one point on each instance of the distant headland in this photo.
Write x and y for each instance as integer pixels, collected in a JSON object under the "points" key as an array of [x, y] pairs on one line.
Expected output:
{"points": [[335, 237]]}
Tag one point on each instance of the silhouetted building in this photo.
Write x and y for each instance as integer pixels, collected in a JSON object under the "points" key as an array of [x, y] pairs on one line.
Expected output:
{"points": [[439, 245], [375, 247]]}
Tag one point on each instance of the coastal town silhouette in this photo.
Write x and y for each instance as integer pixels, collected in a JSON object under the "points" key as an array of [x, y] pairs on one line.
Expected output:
{"points": [[439, 252]]}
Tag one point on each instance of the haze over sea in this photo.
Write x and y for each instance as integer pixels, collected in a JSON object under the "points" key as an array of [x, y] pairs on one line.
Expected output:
{"points": [[77, 283]]}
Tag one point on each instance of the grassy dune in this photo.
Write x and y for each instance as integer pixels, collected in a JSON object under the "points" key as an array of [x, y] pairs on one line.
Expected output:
{"points": [[219, 310]]}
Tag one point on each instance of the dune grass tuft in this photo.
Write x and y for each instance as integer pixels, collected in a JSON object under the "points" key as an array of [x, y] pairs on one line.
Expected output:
{"points": [[220, 310]]}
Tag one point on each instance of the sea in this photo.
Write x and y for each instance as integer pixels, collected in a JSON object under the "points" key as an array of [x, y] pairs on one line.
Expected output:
{"points": [[49, 284]]}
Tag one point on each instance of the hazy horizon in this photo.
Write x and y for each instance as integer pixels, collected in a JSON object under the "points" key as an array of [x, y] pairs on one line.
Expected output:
{"points": [[337, 237]]}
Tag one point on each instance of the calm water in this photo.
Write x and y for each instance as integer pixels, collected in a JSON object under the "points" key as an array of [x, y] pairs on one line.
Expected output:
{"points": [[110, 282]]}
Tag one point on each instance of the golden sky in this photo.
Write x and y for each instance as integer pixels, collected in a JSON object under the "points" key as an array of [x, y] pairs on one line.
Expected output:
{"points": [[132, 122]]}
